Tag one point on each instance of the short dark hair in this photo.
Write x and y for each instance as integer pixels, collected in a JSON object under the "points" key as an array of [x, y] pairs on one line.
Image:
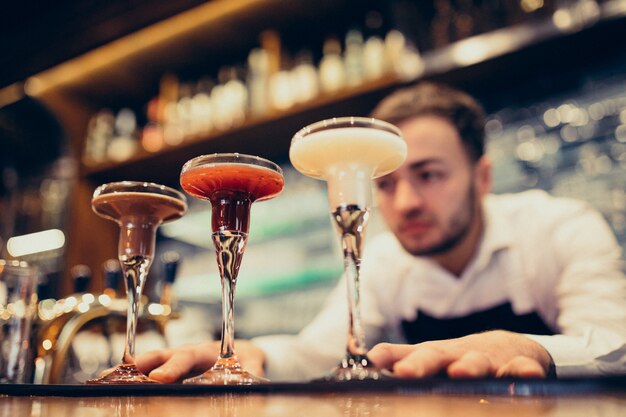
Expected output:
{"points": [[428, 98]]}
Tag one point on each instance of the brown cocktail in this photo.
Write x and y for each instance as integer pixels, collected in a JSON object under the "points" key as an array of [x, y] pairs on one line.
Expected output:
{"points": [[138, 208]]}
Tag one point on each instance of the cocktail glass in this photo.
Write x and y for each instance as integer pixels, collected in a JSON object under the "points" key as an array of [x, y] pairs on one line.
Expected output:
{"points": [[138, 208], [231, 182], [348, 153]]}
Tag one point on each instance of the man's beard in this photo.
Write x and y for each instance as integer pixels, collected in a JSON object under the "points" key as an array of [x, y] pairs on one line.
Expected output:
{"points": [[460, 226]]}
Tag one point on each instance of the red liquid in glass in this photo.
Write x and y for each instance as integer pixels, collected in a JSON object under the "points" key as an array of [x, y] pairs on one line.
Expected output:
{"points": [[231, 188]]}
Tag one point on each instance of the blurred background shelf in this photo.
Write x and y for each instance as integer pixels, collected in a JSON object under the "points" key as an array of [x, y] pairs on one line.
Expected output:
{"points": [[485, 65]]}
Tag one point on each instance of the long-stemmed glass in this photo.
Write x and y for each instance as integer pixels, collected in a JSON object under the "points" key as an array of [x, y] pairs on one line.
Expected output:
{"points": [[138, 208], [348, 152], [231, 182]]}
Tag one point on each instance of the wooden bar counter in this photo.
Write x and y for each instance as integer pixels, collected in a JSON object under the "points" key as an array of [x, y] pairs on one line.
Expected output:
{"points": [[433, 398]]}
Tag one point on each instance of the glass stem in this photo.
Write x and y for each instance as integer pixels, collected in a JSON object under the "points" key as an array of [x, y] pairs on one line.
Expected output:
{"points": [[350, 221], [135, 273], [356, 338], [229, 250], [228, 317]]}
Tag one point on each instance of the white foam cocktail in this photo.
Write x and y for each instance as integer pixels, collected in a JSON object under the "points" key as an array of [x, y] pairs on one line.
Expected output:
{"points": [[347, 158], [348, 153]]}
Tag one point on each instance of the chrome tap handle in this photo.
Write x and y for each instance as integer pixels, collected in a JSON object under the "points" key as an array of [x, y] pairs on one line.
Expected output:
{"points": [[82, 277]]}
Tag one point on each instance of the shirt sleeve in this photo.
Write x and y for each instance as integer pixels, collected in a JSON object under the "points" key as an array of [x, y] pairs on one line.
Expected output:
{"points": [[590, 298], [316, 349], [321, 345]]}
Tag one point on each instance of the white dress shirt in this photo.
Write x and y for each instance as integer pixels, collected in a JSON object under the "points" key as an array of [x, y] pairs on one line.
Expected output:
{"points": [[553, 256]]}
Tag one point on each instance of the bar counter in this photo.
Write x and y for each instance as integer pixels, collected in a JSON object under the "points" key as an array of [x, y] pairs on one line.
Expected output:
{"points": [[433, 398]]}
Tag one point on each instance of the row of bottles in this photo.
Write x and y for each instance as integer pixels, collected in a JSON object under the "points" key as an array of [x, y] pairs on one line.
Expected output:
{"points": [[271, 83]]}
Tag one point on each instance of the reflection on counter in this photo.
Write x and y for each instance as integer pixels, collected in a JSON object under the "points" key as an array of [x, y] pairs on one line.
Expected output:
{"points": [[365, 404]]}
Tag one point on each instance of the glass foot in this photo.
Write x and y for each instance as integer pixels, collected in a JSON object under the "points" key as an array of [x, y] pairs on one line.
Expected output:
{"points": [[123, 374], [226, 371], [355, 368], [226, 377]]}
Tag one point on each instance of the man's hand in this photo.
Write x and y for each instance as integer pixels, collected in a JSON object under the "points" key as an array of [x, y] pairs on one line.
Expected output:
{"points": [[172, 365], [496, 353]]}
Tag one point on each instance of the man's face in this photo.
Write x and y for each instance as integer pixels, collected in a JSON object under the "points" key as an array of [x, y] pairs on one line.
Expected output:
{"points": [[432, 200]]}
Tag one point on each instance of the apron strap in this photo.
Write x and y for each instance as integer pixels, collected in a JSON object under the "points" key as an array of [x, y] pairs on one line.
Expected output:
{"points": [[502, 317]]}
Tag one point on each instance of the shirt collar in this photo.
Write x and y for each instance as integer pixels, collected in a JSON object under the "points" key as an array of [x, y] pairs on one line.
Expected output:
{"points": [[497, 234]]}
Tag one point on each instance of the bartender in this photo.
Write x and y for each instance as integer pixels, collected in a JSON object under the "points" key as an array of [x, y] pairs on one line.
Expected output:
{"points": [[465, 282]]}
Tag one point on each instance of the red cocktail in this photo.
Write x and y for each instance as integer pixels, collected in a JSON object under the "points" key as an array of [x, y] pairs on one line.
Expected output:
{"points": [[231, 182], [231, 188]]}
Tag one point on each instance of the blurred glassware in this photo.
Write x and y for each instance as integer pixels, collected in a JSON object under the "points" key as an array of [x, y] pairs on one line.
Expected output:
{"points": [[18, 309]]}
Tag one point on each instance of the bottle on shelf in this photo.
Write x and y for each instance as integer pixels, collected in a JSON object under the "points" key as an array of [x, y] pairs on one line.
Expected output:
{"points": [[258, 81], [152, 136], [201, 110], [171, 261], [81, 276], [374, 62], [167, 114], [272, 45], [405, 59], [99, 135], [184, 116], [332, 68], [124, 142], [229, 99], [304, 77], [282, 92], [112, 277], [160, 120], [353, 58]]}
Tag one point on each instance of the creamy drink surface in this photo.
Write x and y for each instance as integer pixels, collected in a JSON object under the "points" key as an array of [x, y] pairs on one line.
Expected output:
{"points": [[348, 158], [376, 150], [153, 208], [231, 188]]}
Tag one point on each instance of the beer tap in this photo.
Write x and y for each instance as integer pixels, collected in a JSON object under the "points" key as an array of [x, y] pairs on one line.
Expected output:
{"points": [[171, 261], [81, 275], [112, 277]]}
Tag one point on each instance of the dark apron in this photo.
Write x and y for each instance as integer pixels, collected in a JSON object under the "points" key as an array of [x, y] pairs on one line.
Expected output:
{"points": [[425, 327]]}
